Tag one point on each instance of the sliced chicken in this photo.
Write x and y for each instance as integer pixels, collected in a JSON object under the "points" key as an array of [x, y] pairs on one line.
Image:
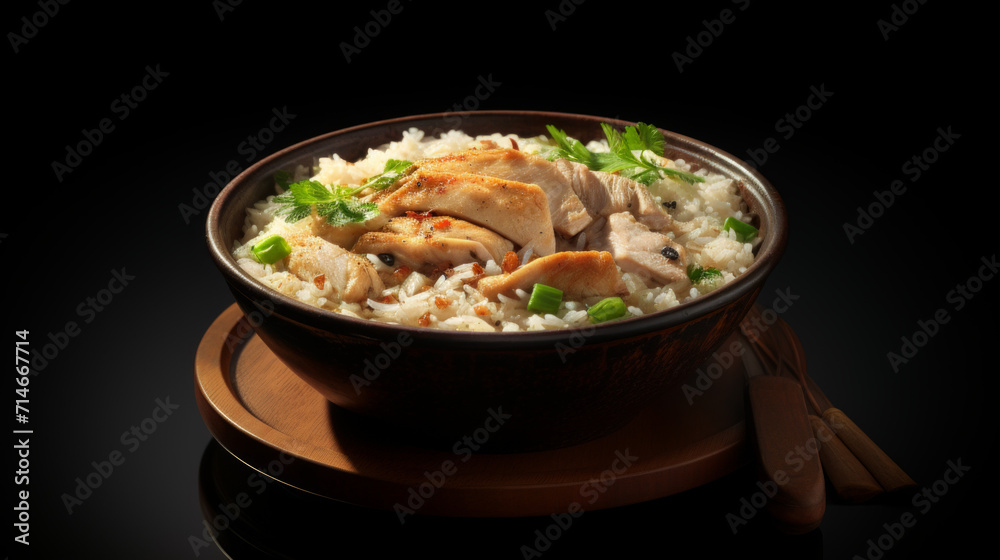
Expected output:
{"points": [[567, 212], [427, 243], [496, 245], [579, 274], [316, 260], [345, 235], [604, 194], [517, 211], [636, 249]]}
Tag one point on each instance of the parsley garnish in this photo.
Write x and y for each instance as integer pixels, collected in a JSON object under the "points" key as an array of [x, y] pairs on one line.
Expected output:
{"points": [[641, 168], [571, 149], [283, 178], [338, 204], [394, 169], [697, 274]]}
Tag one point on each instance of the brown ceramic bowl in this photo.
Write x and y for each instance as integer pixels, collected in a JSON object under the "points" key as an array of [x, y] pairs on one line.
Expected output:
{"points": [[551, 388]]}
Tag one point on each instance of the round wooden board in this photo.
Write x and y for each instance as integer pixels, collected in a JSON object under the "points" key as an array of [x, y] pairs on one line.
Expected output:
{"points": [[273, 421]]}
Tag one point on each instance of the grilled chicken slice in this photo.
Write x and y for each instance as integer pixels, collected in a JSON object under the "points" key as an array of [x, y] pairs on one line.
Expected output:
{"points": [[517, 211], [423, 244], [568, 215], [604, 194], [345, 235], [316, 260], [638, 250], [496, 245], [579, 274]]}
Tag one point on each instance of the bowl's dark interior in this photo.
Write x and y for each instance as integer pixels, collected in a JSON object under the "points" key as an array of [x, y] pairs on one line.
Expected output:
{"points": [[640, 355]]}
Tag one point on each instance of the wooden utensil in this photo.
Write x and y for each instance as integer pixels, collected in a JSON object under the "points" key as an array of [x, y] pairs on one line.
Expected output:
{"points": [[856, 466], [791, 474], [879, 464], [851, 480]]}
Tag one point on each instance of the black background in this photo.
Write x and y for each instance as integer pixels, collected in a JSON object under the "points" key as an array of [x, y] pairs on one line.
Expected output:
{"points": [[223, 75]]}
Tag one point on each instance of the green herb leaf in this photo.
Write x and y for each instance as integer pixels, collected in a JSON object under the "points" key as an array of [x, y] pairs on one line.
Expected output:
{"points": [[616, 142], [346, 211], [620, 156], [293, 213], [645, 137], [283, 178], [571, 149], [337, 204], [697, 274], [310, 192], [394, 169]]}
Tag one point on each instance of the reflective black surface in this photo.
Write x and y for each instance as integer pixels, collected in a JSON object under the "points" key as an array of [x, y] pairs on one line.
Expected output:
{"points": [[268, 515], [124, 120]]}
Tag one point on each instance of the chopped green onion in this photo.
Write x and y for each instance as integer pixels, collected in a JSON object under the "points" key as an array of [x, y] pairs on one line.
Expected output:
{"points": [[744, 231], [544, 299], [697, 274], [607, 309], [271, 250]]}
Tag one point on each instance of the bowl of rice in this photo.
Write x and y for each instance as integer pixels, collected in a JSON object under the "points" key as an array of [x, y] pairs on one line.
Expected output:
{"points": [[437, 352]]}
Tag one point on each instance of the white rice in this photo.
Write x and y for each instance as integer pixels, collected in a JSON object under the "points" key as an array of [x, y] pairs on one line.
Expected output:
{"points": [[449, 304]]}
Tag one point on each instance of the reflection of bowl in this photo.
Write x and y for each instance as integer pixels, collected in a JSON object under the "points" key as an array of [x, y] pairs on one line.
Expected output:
{"points": [[503, 391]]}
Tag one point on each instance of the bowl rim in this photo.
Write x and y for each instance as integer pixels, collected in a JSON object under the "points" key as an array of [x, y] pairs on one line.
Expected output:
{"points": [[764, 262]]}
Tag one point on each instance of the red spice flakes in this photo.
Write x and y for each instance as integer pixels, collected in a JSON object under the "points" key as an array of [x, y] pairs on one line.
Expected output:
{"points": [[513, 144], [441, 302], [444, 223], [510, 262], [420, 215], [320, 281], [425, 320], [482, 310], [442, 268], [478, 273], [401, 273]]}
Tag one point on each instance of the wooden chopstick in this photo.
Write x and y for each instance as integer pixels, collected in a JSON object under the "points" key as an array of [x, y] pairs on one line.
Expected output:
{"points": [[889, 475], [850, 476]]}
